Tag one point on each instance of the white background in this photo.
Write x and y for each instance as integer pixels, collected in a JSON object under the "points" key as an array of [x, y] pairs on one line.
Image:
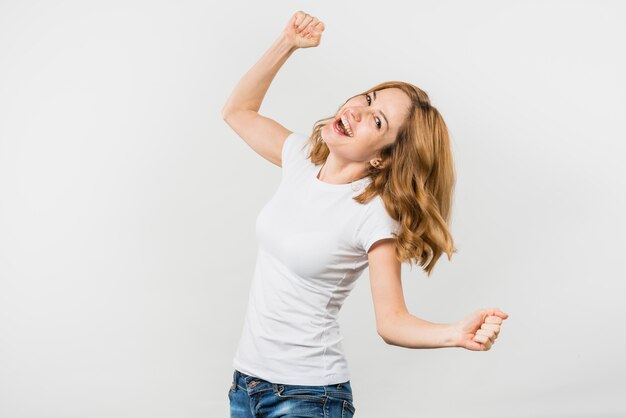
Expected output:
{"points": [[127, 205]]}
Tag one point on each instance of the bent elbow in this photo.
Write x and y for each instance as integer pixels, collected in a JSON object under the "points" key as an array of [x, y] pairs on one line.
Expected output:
{"points": [[384, 337], [228, 111]]}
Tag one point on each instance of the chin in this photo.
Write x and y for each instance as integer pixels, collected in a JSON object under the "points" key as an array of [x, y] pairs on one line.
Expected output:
{"points": [[327, 131]]}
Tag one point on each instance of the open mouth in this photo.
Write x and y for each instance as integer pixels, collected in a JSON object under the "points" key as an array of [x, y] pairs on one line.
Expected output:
{"points": [[343, 127]]}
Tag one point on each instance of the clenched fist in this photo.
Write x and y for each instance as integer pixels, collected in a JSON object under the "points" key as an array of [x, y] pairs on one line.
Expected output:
{"points": [[479, 330], [304, 30]]}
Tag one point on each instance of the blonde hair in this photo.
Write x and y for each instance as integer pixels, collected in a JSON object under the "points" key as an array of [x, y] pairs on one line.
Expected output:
{"points": [[416, 182]]}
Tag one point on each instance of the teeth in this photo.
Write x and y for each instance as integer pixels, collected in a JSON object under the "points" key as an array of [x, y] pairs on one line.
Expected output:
{"points": [[346, 125]]}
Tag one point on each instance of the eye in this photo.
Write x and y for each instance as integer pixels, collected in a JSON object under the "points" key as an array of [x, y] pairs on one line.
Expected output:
{"points": [[369, 102]]}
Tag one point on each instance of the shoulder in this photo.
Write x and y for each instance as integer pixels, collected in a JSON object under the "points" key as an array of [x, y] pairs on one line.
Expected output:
{"points": [[376, 208], [375, 224], [295, 142], [294, 148]]}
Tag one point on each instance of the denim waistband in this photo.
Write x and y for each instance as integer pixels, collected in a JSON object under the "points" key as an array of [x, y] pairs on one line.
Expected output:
{"points": [[256, 384]]}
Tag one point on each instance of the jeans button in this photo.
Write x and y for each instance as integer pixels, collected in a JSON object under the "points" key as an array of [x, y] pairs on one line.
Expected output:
{"points": [[253, 383]]}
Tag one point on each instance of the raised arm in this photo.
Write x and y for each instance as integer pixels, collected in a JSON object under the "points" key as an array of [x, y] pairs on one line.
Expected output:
{"points": [[264, 135]]}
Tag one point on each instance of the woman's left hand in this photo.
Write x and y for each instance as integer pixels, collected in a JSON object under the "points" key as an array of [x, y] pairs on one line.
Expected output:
{"points": [[479, 330]]}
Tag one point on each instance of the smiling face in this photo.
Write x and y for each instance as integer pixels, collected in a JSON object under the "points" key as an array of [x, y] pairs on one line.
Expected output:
{"points": [[367, 123]]}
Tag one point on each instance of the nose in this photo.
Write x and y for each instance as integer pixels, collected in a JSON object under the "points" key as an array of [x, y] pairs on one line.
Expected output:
{"points": [[356, 112]]}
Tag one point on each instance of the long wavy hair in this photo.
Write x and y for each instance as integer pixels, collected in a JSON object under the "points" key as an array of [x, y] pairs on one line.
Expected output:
{"points": [[417, 181]]}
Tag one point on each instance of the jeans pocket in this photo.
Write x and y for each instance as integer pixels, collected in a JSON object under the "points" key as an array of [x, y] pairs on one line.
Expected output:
{"points": [[311, 393]]}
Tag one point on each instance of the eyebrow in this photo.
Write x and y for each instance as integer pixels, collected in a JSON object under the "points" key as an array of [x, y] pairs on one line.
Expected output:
{"points": [[381, 112]]}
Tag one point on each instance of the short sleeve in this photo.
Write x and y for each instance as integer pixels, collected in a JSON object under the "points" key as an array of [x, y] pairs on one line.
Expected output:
{"points": [[377, 224], [293, 152]]}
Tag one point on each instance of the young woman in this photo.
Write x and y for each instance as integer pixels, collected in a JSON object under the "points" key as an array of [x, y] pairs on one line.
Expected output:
{"points": [[370, 187]]}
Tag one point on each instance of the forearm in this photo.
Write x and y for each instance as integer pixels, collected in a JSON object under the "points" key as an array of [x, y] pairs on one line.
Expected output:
{"points": [[407, 330], [250, 91]]}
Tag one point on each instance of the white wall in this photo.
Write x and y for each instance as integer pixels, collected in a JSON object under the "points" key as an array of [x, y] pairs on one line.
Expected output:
{"points": [[127, 205]]}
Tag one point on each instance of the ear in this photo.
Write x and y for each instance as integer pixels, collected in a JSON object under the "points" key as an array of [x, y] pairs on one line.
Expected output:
{"points": [[377, 163]]}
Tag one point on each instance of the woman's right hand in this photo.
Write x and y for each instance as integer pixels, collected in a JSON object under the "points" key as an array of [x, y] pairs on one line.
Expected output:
{"points": [[304, 30]]}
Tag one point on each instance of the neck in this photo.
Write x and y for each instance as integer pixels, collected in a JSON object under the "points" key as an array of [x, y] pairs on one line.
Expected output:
{"points": [[333, 174]]}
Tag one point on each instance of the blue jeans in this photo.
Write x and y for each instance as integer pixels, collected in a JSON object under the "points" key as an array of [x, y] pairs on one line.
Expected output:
{"points": [[253, 397]]}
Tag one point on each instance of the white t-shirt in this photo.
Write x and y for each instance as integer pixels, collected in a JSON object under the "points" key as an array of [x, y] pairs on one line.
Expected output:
{"points": [[313, 240]]}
